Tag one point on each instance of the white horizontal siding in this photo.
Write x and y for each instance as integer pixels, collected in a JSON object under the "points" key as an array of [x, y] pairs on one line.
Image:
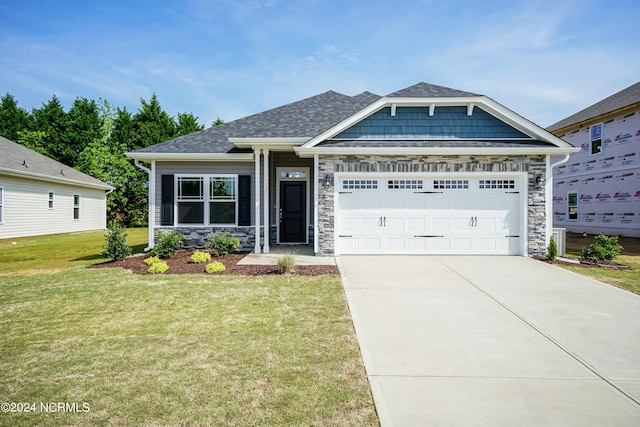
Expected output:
{"points": [[27, 213]]}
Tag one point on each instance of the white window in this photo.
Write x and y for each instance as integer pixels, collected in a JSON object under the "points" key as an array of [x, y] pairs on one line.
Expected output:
{"points": [[359, 184], [486, 184], [595, 139], [572, 206], [1, 205], [405, 184], [51, 199], [450, 184], [220, 193], [76, 206]]}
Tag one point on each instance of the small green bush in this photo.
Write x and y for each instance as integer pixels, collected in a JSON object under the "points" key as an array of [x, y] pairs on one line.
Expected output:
{"points": [[215, 267], [286, 264], [223, 244], [199, 257], [116, 246], [168, 244], [151, 260], [604, 248], [552, 250], [158, 267]]}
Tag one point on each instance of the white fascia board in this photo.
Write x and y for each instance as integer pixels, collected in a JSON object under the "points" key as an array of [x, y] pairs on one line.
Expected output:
{"points": [[194, 157], [269, 143], [433, 151], [484, 102], [61, 180]]}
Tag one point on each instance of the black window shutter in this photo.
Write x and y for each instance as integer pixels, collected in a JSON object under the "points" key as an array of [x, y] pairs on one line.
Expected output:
{"points": [[166, 210], [244, 200]]}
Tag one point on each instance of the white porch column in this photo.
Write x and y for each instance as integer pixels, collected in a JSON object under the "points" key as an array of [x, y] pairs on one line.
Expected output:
{"points": [[267, 223], [152, 206], [256, 192]]}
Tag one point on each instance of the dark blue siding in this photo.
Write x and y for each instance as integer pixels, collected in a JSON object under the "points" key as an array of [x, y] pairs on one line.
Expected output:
{"points": [[446, 122]]}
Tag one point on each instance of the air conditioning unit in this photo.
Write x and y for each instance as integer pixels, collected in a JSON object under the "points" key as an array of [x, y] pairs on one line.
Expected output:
{"points": [[560, 236]]}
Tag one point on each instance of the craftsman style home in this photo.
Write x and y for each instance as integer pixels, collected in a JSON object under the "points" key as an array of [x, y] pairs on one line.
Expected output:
{"points": [[424, 170]]}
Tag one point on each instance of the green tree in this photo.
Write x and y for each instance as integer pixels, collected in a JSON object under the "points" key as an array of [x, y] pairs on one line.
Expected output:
{"points": [[217, 122], [187, 123], [151, 124], [105, 159], [84, 125], [35, 140], [13, 119], [52, 120]]}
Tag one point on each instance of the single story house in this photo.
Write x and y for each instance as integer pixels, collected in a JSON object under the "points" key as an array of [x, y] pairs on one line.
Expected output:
{"points": [[598, 189], [424, 170], [39, 195]]}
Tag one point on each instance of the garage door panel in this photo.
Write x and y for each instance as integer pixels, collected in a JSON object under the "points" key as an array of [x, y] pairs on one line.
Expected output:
{"points": [[401, 219]]}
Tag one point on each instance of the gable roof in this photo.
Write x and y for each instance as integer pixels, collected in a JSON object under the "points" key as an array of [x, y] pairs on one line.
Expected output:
{"points": [[428, 90], [19, 160], [617, 101], [305, 124], [302, 119]]}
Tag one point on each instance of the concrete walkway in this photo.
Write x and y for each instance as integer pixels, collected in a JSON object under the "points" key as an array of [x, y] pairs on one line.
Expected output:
{"points": [[493, 341]]}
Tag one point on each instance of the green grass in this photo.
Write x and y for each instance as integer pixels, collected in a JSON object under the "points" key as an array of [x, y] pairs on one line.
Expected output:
{"points": [[177, 349], [624, 279], [56, 252]]}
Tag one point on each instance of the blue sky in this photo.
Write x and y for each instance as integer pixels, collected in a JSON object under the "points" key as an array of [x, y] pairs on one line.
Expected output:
{"points": [[231, 58]]}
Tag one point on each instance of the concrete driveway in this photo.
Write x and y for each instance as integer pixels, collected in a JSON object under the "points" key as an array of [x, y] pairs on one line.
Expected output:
{"points": [[495, 341]]}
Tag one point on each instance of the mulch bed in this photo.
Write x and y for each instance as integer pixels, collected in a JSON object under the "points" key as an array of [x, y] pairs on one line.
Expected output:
{"points": [[611, 265], [179, 264]]}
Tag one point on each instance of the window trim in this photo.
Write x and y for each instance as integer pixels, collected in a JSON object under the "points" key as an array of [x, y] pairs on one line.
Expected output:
{"points": [[206, 198], [52, 200], [76, 207], [576, 206]]}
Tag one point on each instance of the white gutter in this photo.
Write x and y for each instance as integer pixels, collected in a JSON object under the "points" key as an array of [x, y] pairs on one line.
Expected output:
{"points": [[433, 151], [151, 203], [44, 177], [559, 162]]}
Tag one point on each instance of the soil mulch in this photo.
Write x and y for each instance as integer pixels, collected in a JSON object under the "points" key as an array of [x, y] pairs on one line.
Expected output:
{"points": [[179, 264], [611, 265]]}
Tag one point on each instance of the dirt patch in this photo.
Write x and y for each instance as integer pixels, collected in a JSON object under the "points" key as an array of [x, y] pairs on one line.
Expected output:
{"points": [[179, 264], [611, 265]]}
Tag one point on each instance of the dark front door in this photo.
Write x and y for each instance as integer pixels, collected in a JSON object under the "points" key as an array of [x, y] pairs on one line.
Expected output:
{"points": [[293, 212]]}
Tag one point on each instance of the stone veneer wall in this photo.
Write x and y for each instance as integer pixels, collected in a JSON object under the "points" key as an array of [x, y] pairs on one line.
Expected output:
{"points": [[329, 165], [196, 237]]}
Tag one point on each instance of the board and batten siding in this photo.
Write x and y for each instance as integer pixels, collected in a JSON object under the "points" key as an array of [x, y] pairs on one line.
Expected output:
{"points": [[27, 212], [200, 168]]}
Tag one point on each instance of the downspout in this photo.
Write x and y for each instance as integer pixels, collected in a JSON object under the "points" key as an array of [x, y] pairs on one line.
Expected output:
{"points": [[549, 195], [151, 203]]}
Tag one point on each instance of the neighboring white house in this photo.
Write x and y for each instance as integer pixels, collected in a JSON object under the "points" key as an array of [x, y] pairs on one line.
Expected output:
{"points": [[598, 189], [39, 195]]}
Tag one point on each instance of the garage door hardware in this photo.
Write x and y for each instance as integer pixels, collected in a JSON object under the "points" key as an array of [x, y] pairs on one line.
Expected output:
{"points": [[517, 235], [427, 192], [474, 221], [511, 192], [428, 235], [382, 222], [344, 192], [345, 235]]}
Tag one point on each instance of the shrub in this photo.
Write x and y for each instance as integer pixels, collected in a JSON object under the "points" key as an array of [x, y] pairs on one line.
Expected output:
{"points": [[116, 246], [199, 257], [158, 267], [168, 244], [223, 244], [286, 264], [151, 260], [604, 248], [552, 250], [215, 267]]}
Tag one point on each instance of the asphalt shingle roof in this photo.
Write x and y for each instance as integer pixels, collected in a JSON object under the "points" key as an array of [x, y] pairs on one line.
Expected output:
{"points": [[624, 98], [306, 118], [21, 160]]}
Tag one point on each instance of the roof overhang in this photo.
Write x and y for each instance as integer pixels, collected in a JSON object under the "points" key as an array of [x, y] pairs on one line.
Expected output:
{"points": [[193, 157], [59, 180], [275, 144], [434, 151], [487, 104]]}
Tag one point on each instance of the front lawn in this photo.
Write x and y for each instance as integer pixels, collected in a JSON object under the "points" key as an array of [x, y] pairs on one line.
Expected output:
{"points": [[125, 349]]}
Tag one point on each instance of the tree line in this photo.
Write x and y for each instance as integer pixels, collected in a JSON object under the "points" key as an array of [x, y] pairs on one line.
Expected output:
{"points": [[93, 137]]}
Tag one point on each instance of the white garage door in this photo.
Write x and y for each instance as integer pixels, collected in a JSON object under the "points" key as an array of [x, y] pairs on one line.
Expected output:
{"points": [[386, 215]]}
